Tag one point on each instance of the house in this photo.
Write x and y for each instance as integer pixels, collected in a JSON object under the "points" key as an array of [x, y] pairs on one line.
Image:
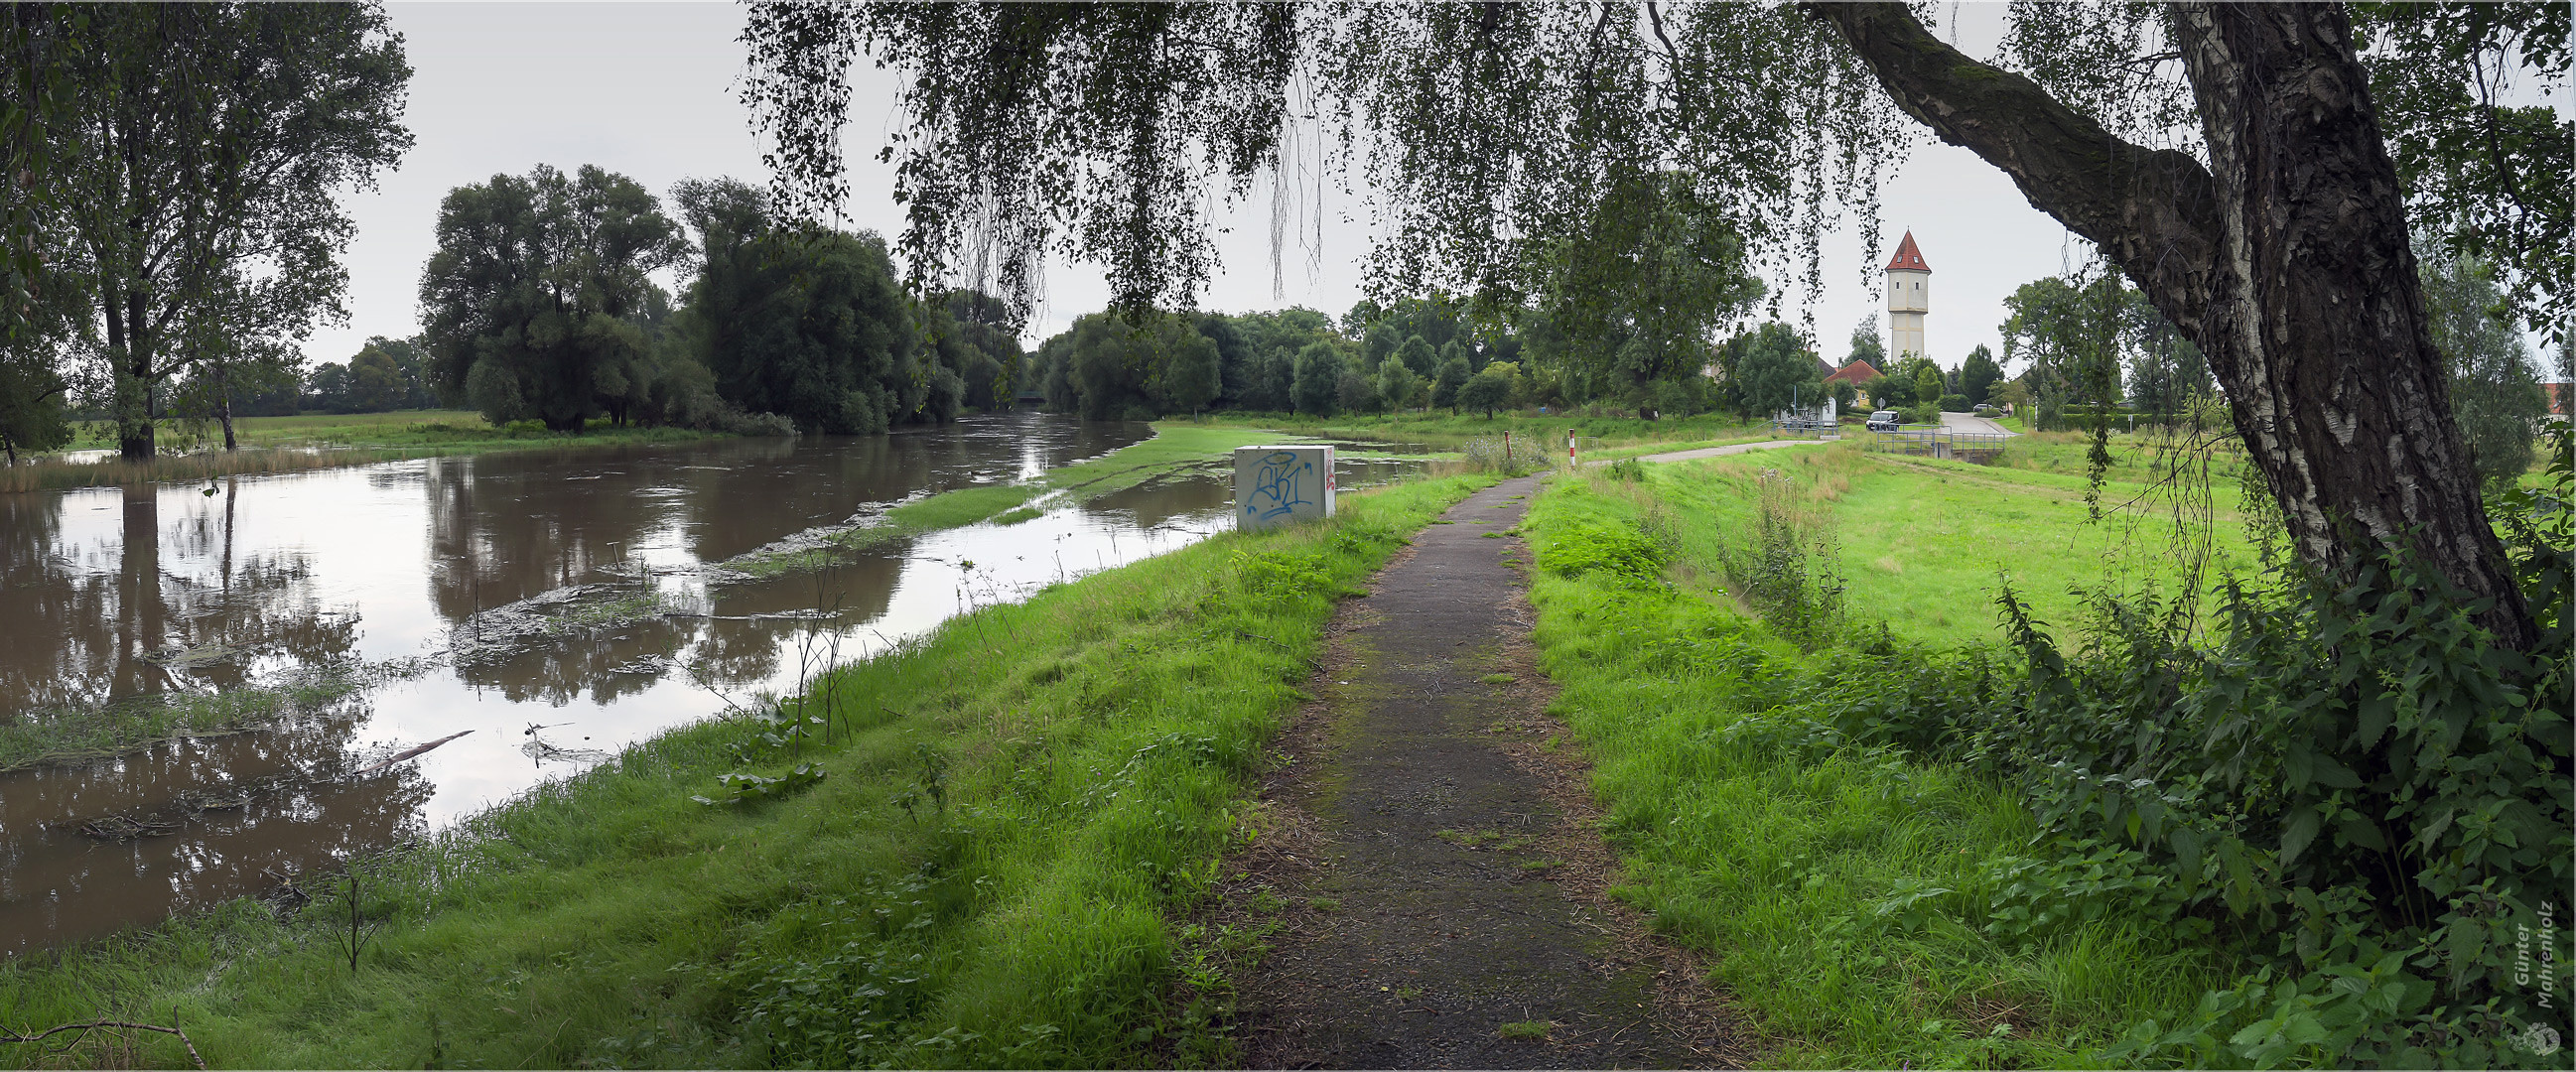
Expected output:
{"points": [[1855, 374]]}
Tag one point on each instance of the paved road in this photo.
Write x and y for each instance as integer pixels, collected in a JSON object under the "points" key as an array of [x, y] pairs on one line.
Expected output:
{"points": [[1962, 422]]}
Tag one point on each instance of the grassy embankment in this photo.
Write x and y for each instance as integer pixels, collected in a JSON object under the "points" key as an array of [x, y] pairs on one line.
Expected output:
{"points": [[1011, 810], [322, 441], [1793, 862], [1178, 447]]}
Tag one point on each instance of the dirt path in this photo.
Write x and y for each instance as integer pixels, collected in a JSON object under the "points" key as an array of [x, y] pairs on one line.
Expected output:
{"points": [[1430, 851]]}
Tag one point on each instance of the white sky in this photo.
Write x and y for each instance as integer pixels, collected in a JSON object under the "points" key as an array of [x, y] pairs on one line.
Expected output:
{"points": [[646, 89]]}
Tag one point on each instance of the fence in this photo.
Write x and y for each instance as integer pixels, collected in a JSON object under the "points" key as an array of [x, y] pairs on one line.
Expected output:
{"points": [[1982, 447]]}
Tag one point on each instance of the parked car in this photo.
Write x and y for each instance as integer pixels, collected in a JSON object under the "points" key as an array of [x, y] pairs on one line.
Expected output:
{"points": [[1884, 420]]}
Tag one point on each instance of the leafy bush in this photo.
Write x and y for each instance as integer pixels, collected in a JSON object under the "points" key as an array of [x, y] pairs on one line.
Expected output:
{"points": [[755, 424], [1789, 569], [2347, 780], [1616, 550], [1922, 414], [1954, 403]]}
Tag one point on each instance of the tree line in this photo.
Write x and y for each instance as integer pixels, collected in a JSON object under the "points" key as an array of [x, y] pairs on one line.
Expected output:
{"points": [[174, 235]]}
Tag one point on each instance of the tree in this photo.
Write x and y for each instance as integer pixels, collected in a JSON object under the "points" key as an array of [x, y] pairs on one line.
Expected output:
{"points": [[1119, 370], [1889, 392], [2494, 393], [199, 180], [1379, 344], [527, 300], [1977, 375], [1487, 391], [1927, 385], [2490, 175], [1444, 386], [1866, 345], [2284, 256], [1319, 378], [1642, 287], [1234, 361], [1417, 355], [1355, 392], [31, 402], [1775, 370], [1399, 388]]}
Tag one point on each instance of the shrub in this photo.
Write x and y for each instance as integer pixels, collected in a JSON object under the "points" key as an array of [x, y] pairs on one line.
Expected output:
{"points": [[1954, 403], [1789, 569], [1616, 550]]}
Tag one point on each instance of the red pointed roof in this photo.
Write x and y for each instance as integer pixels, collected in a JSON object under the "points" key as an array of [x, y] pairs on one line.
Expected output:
{"points": [[1859, 371], [1908, 257]]}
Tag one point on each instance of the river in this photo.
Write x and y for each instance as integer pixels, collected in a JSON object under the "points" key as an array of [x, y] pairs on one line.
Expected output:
{"points": [[110, 593]]}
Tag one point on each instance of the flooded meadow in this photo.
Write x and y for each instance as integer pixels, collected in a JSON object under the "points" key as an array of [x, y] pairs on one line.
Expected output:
{"points": [[313, 665]]}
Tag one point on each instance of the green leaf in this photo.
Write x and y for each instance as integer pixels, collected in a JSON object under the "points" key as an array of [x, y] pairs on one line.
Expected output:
{"points": [[2297, 833]]}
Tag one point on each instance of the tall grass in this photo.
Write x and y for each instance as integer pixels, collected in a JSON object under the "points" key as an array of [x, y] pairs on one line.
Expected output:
{"points": [[1009, 811], [1797, 862]]}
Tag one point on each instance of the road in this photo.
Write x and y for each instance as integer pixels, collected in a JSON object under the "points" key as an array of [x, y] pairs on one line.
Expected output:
{"points": [[1962, 422], [1720, 452]]}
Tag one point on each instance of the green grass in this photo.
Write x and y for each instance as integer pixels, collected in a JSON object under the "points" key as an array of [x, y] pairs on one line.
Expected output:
{"points": [[1799, 867], [1176, 447], [319, 441], [1924, 542], [88, 731], [1011, 814], [963, 506]]}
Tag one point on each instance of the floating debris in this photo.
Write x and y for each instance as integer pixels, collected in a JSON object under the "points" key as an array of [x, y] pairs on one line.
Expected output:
{"points": [[643, 664], [202, 655], [127, 828], [407, 754]]}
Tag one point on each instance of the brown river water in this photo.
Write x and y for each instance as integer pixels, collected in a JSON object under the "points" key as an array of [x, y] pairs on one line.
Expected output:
{"points": [[388, 565]]}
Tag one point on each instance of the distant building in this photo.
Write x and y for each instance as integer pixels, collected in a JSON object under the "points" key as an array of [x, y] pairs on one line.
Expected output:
{"points": [[1857, 373], [2557, 397], [1909, 296]]}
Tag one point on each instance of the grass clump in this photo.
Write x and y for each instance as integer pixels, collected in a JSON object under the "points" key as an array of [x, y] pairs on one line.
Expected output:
{"points": [[77, 731], [997, 826], [1525, 1030]]}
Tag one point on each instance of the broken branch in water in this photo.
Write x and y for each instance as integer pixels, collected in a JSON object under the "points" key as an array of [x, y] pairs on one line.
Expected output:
{"points": [[84, 1029], [408, 753]]}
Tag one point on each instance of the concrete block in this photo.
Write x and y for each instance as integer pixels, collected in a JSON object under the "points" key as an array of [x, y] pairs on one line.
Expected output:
{"points": [[1281, 485]]}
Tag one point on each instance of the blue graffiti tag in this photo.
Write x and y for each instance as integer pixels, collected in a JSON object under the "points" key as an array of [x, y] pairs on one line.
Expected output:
{"points": [[1281, 480]]}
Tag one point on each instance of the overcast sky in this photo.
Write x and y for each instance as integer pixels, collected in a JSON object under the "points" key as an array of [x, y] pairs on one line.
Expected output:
{"points": [[647, 90]]}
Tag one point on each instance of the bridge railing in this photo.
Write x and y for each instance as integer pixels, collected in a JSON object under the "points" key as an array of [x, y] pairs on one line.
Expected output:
{"points": [[1938, 443]]}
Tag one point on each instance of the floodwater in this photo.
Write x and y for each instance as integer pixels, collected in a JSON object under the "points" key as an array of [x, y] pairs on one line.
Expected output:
{"points": [[115, 592]]}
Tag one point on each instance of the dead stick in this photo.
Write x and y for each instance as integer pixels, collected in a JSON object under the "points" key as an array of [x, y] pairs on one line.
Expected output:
{"points": [[93, 1025], [408, 753]]}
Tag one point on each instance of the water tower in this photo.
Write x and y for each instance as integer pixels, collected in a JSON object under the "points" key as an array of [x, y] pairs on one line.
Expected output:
{"points": [[1909, 296]]}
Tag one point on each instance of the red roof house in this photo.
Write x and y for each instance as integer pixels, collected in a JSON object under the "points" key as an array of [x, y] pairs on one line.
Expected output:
{"points": [[1856, 373]]}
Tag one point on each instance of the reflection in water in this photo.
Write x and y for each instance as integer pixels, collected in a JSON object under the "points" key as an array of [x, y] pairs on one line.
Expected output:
{"points": [[117, 592]]}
